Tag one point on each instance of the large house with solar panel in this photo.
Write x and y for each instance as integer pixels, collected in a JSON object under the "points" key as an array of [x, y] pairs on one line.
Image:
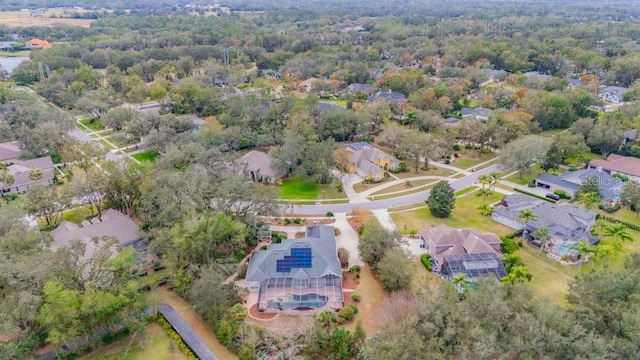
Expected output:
{"points": [[369, 162], [298, 274]]}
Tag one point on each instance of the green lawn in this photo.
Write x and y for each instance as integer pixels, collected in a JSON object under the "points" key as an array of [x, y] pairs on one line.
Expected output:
{"points": [[96, 125], [465, 214], [531, 175], [151, 343], [470, 158], [149, 156], [577, 160], [300, 189]]}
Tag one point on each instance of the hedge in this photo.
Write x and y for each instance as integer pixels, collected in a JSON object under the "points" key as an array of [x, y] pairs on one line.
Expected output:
{"points": [[176, 337], [535, 195], [615, 221], [424, 258]]}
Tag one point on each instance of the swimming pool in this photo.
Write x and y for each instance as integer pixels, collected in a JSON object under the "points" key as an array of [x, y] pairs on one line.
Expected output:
{"points": [[313, 301], [562, 249]]}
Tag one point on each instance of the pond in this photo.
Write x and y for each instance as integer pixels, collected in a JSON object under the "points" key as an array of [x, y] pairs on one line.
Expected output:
{"points": [[11, 62]]}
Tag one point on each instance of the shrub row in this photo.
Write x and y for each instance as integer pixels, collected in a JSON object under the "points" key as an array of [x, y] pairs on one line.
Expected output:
{"points": [[535, 195], [610, 209], [562, 194], [424, 258], [612, 220], [176, 337]]}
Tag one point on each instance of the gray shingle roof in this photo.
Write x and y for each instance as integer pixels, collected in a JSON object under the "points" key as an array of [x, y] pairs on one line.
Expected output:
{"points": [[114, 224], [10, 150], [566, 221], [258, 161], [21, 171], [320, 239], [572, 180], [387, 95]]}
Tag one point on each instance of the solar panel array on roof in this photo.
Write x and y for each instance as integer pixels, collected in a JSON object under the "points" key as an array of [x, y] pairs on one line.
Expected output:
{"points": [[358, 146], [299, 258]]}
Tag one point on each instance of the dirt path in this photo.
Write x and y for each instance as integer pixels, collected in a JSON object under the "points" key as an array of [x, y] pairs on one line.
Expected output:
{"points": [[372, 297], [186, 311]]}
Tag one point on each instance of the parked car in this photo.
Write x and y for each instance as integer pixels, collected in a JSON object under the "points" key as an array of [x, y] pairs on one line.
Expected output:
{"points": [[553, 196]]}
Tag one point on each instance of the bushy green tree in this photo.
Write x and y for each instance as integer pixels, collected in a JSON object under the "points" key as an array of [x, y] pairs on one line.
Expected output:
{"points": [[441, 200]]}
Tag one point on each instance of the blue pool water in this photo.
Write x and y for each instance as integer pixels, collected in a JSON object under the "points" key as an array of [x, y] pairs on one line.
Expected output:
{"points": [[313, 301], [562, 250]]}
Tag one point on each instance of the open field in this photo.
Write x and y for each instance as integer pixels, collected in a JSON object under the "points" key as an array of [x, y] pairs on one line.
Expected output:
{"points": [[150, 343], [464, 215], [24, 19]]}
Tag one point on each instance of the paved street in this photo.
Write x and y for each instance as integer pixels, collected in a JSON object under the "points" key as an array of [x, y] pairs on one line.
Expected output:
{"points": [[394, 202]]}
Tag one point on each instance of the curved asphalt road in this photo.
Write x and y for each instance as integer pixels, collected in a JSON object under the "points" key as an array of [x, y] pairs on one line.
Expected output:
{"points": [[393, 202]]}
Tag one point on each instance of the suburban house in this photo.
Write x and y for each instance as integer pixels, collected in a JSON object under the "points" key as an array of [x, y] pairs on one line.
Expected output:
{"points": [[573, 84], [328, 106], [257, 166], [479, 113], [443, 240], [570, 182], [613, 94], [357, 88], [10, 151], [370, 162], [618, 164], [271, 74], [567, 224], [299, 274], [113, 224], [537, 75], [38, 44], [473, 266], [27, 174], [393, 97]]}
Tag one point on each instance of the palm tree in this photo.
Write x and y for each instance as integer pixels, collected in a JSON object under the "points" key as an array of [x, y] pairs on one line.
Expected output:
{"points": [[484, 193], [543, 235], [461, 282], [588, 199], [410, 118], [527, 216], [618, 232], [484, 179], [606, 251], [600, 224], [35, 174], [510, 261], [485, 210], [494, 177], [518, 273], [583, 249]]}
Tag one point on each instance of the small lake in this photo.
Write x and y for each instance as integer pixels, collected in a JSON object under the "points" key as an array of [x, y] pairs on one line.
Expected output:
{"points": [[11, 62]]}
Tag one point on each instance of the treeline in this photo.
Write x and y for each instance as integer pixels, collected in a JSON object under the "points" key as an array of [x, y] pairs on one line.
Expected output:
{"points": [[499, 321]]}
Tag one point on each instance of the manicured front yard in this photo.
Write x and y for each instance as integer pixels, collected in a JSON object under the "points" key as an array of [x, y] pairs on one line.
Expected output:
{"points": [[433, 171], [149, 156], [470, 158], [465, 214], [150, 343], [300, 189], [531, 175], [96, 125]]}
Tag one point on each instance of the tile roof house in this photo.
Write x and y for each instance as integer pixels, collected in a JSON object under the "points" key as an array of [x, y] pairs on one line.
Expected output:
{"points": [[567, 224], [297, 274], [113, 224], [479, 113], [618, 164], [442, 240], [391, 96], [38, 44], [257, 166], [10, 151], [613, 94], [23, 175], [570, 181], [358, 88], [370, 162]]}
